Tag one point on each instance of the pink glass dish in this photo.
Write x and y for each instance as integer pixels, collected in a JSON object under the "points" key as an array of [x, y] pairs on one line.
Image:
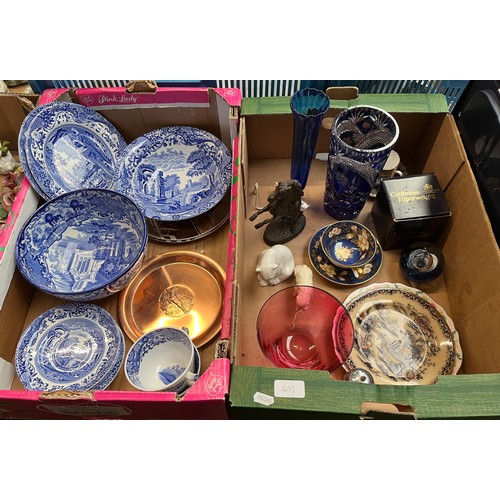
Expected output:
{"points": [[305, 327]]}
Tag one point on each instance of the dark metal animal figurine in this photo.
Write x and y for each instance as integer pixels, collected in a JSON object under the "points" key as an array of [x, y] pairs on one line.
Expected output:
{"points": [[287, 221]]}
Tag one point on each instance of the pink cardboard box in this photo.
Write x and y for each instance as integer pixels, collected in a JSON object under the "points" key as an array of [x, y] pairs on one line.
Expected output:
{"points": [[134, 114]]}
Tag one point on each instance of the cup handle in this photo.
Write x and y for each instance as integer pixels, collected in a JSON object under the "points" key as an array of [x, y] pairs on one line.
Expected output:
{"points": [[191, 378], [358, 272], [398, 173]]}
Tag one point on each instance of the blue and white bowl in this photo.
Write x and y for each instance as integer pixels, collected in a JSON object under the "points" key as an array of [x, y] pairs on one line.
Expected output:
{"points": [[163, 360], [175, 173], [76, 346], [83, 245]]}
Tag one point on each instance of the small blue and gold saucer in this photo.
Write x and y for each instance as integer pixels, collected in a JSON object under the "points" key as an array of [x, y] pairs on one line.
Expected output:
{"points": [[354, 276]]}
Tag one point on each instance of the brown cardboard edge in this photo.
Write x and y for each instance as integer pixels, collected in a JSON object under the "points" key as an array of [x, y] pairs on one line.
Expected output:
{"points": [[372, 409], [13, 313], [14, 109]]}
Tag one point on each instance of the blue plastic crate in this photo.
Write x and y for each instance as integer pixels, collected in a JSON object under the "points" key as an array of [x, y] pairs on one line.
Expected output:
{"points": [[452, 89], [271, 88], [39, 86]]}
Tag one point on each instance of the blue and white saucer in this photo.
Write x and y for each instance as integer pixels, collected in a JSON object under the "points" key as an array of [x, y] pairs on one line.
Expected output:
{"points": [[23, 157], [175, 173], [76, 346], [324, 266], [69, 146]]}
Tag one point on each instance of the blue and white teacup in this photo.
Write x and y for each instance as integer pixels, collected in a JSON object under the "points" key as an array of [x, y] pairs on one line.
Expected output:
{"points": [[163, 360]]}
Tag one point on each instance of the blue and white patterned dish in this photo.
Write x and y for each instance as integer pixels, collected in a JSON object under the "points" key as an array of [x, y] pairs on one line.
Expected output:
{"points": [[83, 245], [23, 157], [175, 173], [75, 346], [162, 360], [69, 146], [324, 266]]}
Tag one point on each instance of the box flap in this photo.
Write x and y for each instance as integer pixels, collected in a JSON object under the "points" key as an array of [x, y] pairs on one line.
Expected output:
{"points": [[13, 110]]}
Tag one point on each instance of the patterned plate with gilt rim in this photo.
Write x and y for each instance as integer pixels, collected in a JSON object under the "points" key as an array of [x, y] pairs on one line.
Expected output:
{"points": [[175, 173], [401, 335], [179, 289]]}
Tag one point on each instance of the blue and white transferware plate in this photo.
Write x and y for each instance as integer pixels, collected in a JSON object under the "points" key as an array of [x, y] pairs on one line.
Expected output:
{"points": [[69, 146], [23, 157], [325, 267], [75, 346], [175, 173], [83, 245]]}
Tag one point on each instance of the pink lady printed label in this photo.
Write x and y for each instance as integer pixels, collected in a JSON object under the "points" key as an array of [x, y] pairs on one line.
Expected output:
{"points": [[118, 96]]}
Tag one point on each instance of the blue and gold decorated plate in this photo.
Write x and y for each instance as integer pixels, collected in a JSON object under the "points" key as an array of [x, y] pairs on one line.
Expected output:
{"points": [[76, 346], [324, 266], [68, 146], [175, 173], [402, 336]]}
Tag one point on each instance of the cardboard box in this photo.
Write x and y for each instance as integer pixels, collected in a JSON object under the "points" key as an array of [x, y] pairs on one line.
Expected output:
{"points": [[469, 289], [134, 114], [408, 209], [13, 110]]}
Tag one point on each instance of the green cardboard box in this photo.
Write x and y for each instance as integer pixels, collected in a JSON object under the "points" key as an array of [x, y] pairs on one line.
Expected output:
{"points": [[469, 289]]}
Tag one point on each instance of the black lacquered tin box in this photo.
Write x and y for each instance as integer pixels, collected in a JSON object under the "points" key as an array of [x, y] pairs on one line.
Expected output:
{"points": [[409, 209]]}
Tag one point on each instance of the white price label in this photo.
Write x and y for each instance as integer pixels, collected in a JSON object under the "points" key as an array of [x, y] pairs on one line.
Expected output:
{"points": [[289, 389], [263, 399]]}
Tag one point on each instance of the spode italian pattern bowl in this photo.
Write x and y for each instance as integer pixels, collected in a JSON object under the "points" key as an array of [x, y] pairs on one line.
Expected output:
{"points": [[83, 245]]}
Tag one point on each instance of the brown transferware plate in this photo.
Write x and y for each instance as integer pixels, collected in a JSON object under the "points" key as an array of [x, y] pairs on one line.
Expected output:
{"points": [[180, 289]]}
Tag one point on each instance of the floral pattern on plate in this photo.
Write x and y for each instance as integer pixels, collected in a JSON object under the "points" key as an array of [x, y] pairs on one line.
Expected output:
{"points": [[175, 173], [401, 335], [348, 244], [323, 265]]}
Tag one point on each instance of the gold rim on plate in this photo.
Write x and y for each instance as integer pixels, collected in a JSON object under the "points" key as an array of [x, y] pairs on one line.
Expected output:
{"points": [[180, 289]]}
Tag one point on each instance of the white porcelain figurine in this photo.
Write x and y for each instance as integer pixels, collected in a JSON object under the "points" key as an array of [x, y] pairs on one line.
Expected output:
{"points": [[276, 264]]}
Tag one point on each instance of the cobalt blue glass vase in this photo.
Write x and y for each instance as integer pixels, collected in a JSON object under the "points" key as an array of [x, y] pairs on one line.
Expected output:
{"points": [[308, 108], [361, 139]]}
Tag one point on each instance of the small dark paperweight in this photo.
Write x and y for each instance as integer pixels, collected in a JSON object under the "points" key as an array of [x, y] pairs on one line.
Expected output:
{"points": [[284, 205], [422, 262], [409, 209]]}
